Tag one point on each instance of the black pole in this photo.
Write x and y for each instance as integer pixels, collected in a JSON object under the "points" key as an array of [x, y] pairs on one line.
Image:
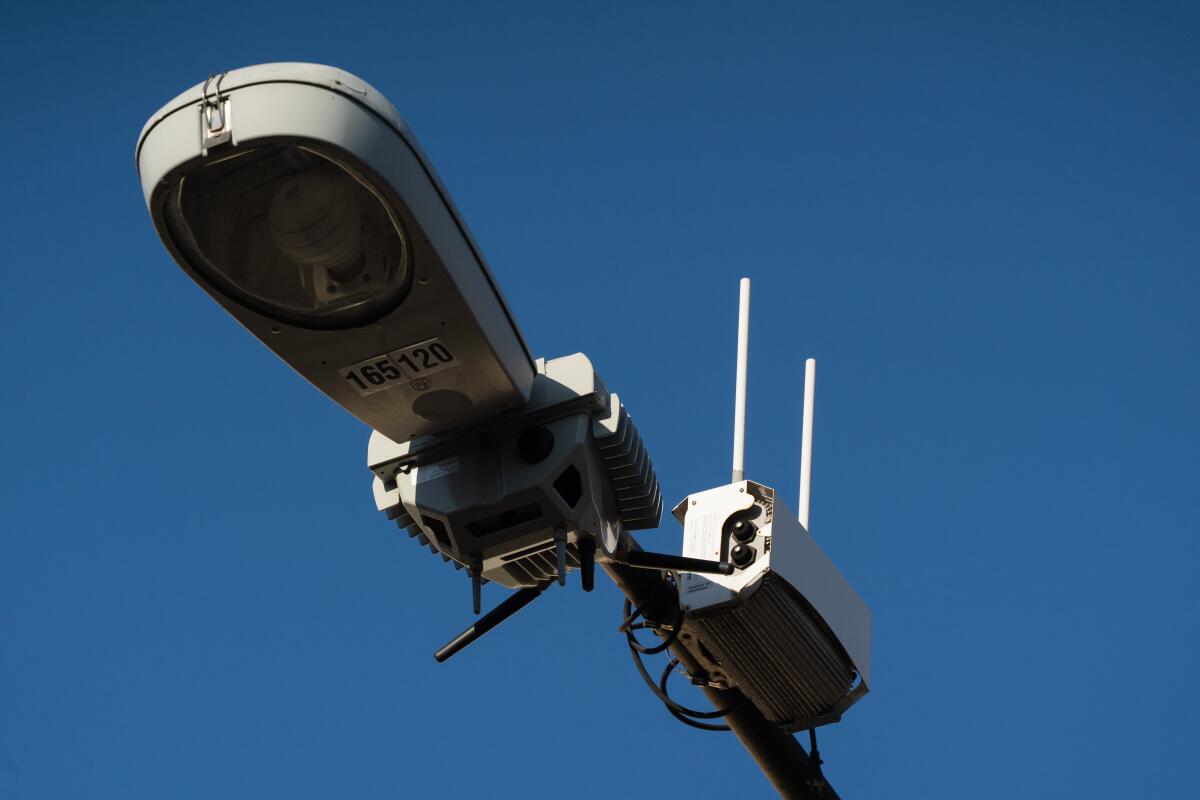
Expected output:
{"points": [[780, 757]]}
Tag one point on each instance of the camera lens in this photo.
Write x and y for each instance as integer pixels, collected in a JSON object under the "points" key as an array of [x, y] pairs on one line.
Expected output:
{"points": [[743, 531], [742, 555]]}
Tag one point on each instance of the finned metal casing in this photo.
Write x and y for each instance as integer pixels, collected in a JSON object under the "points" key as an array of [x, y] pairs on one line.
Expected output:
{"points": [[786, 628], [570, 460], [370, 356]]}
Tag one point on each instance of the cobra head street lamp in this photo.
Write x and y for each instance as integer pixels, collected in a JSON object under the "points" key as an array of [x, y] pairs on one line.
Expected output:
{"points": [[296, 196]]}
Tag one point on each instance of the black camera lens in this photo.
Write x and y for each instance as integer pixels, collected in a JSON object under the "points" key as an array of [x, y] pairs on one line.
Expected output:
{"points": [[743, 531], [742, 556]]}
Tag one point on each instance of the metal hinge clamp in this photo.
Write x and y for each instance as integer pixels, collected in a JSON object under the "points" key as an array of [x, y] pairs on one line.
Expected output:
{"points": [[216, 116]]}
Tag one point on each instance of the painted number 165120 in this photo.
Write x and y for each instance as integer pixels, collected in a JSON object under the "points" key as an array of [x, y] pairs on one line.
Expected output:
{"points": [[406, 364]]}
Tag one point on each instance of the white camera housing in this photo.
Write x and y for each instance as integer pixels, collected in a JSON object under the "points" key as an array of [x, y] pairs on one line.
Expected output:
{"points": [[786, 628], [297, 197]]}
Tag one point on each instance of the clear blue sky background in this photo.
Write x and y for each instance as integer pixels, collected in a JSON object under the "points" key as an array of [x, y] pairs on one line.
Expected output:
{"points": [[980, 219]]}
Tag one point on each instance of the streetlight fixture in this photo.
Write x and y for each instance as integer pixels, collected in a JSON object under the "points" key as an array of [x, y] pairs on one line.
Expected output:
{"points": [[296, 196], [299, 200]]}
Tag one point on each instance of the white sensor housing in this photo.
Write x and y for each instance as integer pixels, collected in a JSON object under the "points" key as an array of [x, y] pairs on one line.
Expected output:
{"points": [[786, 628]]}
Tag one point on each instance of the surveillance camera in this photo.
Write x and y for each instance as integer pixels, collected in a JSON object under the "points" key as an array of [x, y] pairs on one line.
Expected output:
{"points": [[296, 196], [525, 499], [785, 628]]}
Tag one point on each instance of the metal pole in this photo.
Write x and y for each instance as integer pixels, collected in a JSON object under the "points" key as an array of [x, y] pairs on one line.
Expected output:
{"points": [[780, 757], [739, 396]]}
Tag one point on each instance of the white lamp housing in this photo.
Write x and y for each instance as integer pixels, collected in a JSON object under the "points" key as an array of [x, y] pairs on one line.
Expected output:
{"points": [[297, 197]]}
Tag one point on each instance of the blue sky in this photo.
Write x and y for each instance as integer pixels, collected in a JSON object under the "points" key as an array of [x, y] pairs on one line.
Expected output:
{"points": [[981, 219]]}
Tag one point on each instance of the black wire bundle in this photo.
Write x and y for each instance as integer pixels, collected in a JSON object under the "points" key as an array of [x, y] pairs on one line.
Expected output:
{"points": [[687, 716]]}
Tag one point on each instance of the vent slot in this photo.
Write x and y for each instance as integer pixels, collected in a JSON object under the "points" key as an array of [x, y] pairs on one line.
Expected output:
{"points": [[569, 486], [528, 551], [504, 520], [630, 473], [438, 529], [537, 564]]}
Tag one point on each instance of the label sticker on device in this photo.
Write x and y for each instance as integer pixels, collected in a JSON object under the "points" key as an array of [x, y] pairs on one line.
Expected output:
{"points": [[399, 366], [429, 472], [373, 375], [423, 359]]}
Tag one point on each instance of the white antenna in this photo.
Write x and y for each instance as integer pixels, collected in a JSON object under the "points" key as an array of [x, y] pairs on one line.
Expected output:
{"points": [[739, 396], [810, 388]]}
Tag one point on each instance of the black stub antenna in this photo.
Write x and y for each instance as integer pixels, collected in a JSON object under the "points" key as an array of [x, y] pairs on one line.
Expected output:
{"points": [[560, 555], [663, 561], [475, 570], [511, 605]]}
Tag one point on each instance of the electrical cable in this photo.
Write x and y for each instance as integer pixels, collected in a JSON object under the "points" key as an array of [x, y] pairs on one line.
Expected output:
{"points": [[688, 716], [816, 780], [704, 726], [626, 626], [677, 710]]}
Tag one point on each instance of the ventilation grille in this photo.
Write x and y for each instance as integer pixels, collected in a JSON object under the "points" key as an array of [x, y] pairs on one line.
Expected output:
{"points": [[405, 522], [778, 655], [630, 473], [531, 568], [528, 567]]}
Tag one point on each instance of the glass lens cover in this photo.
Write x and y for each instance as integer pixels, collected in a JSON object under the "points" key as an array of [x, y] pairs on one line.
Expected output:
{"points": [[293, 234]]}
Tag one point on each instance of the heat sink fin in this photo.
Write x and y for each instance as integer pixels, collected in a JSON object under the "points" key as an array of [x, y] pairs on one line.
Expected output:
{"points": [[774, 649], [630, 471]]}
